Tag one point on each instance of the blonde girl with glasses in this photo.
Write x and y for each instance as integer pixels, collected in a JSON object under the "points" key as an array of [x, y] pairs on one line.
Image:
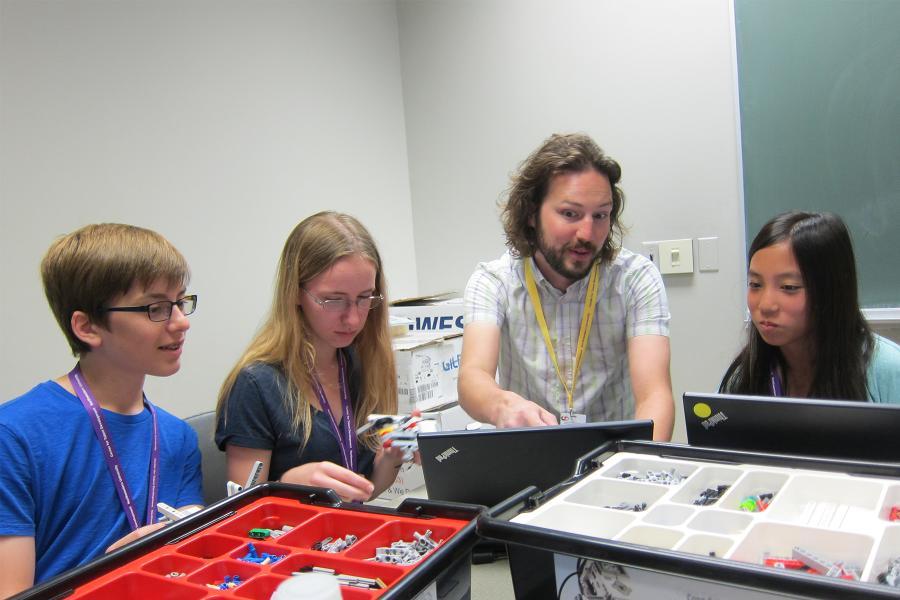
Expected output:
{"points": [[320, 364]]}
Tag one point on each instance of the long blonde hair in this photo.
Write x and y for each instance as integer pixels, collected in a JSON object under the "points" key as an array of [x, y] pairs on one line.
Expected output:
{"points": [[314, 245]]}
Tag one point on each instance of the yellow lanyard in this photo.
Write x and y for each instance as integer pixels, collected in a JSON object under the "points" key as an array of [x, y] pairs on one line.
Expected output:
{"points": [[587, 318]]}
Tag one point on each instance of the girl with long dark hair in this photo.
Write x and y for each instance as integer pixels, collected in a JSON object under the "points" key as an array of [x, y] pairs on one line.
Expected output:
{"points": [[808, 337]]}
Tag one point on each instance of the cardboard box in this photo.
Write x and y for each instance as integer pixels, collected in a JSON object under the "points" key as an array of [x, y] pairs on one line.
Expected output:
{"points": [[449, 417], [436, 313], [409, 479], [427, 370]]}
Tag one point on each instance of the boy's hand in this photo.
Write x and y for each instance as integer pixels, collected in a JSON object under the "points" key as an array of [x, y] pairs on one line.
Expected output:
{"points": [[134, 535]]}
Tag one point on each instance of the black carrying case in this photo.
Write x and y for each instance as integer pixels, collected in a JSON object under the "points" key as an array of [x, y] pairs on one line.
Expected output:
{"points": [[532, 549]]}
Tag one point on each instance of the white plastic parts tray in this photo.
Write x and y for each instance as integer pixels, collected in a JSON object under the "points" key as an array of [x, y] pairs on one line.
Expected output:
{"points": [[821, 506]]}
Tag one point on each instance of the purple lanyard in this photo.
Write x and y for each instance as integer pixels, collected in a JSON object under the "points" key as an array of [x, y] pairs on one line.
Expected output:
{"points": [[109, 452], [346, 434], [775, 382]]}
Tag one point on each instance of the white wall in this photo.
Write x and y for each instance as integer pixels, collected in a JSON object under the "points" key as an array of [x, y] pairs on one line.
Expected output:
{"points": [[220, 125], [485, 81]]}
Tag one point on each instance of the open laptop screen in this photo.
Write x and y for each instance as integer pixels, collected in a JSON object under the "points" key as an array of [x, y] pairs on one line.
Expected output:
{"points": [[826, 428], [489, 466]]}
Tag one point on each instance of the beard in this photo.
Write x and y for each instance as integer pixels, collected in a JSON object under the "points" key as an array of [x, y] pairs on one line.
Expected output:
{"points": [[556, 257]]}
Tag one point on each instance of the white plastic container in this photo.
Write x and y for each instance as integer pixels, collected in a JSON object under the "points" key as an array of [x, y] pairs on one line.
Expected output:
{"points": [[308, 586]]}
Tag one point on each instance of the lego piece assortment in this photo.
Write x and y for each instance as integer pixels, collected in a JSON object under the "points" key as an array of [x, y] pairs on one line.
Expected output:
{"points": [[397, 431], [262, 558], [793, 519], [631, 506], [331, 545], [891, 575], [806, 561], [272, 539], [756, 502], [710, 495], [407, 553], [230, 582], [669, 477]]}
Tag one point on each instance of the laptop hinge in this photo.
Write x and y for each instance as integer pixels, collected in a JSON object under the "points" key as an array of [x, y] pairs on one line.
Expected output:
{"points": [[535, 500]]}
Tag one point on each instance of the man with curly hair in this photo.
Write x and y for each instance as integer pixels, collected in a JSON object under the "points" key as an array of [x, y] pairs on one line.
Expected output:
{"points": [[574, 327]]}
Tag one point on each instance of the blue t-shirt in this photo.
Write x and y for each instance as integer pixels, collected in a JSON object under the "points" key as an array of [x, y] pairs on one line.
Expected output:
{"points": [[883, 374], [54, 483]]}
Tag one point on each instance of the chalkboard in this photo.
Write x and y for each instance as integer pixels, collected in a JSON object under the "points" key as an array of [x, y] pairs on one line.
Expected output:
{"points": [[819, 84]]}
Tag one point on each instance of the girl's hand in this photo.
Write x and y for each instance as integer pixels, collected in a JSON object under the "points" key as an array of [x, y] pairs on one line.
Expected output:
{"points": [[347, 484]]}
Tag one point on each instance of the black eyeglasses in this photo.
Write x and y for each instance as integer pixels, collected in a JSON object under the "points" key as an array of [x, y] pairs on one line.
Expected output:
{"points": [[162, 310], [342, 304]]}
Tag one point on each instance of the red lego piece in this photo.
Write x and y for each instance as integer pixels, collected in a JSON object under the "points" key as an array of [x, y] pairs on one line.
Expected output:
{"points": [[783, 563], [895, 513]]}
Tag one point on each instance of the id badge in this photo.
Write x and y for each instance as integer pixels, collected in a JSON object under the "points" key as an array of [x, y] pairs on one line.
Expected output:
{"points": [[568, 418]]}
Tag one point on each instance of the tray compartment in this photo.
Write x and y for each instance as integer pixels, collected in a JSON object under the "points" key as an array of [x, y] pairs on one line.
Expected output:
{"points": [[720, 521], [331, 525], [394, 531], [209, 546], [888, 550], [706, 545], [216, 572], [141, 585], [891, 500], [658, 537], [670, 515], [706, 478], [778, 540], [268, 516], [828, 502], [643, 465], [573, 518], [260, 587], [172, 563], [604, 493], [753, 483], [302, 561]]}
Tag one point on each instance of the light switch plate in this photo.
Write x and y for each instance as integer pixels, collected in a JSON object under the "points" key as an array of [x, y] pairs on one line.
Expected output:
{"points": [[708, 253], [651, 252], [676, 256]]}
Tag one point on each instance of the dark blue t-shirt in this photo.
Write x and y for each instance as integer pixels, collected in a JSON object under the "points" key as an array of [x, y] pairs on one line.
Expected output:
{"points": [[54, 483], [256, 417]]}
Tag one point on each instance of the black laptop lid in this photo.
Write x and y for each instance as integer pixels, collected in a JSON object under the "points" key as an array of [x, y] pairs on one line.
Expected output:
{"points": [[488, 466], [827, 428]]}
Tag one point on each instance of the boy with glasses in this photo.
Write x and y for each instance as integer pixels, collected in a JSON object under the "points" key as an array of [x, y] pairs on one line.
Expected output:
{"points": [[118, 293]]}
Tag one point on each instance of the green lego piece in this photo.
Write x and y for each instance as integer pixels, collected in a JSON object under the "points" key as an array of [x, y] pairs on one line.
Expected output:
{"points": [[260, 533], [748, 504]]}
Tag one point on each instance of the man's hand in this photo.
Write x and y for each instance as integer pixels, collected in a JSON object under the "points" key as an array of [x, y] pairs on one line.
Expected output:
{"points": [[479, 394], [516, 411]]}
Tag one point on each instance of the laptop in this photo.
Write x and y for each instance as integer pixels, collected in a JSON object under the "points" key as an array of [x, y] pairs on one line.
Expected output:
{"points": [[489, 466], [822, 428]]}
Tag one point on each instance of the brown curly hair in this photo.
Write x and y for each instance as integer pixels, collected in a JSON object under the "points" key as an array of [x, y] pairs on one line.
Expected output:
{"points": [[560, 153]]}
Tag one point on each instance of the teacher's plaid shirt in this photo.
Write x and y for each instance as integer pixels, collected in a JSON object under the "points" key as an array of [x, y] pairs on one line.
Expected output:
{"points": [[631, 302]]}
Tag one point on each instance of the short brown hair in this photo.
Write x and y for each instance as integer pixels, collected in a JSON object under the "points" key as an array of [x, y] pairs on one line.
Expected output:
{"points": [[85, 269], [560, 153]]}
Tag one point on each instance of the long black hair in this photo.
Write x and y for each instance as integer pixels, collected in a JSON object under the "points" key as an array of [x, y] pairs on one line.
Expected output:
{"points": [[841, 338]]}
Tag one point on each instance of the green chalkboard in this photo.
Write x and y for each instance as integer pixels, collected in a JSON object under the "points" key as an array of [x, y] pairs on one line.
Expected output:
{"points": [[819, 85]]}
